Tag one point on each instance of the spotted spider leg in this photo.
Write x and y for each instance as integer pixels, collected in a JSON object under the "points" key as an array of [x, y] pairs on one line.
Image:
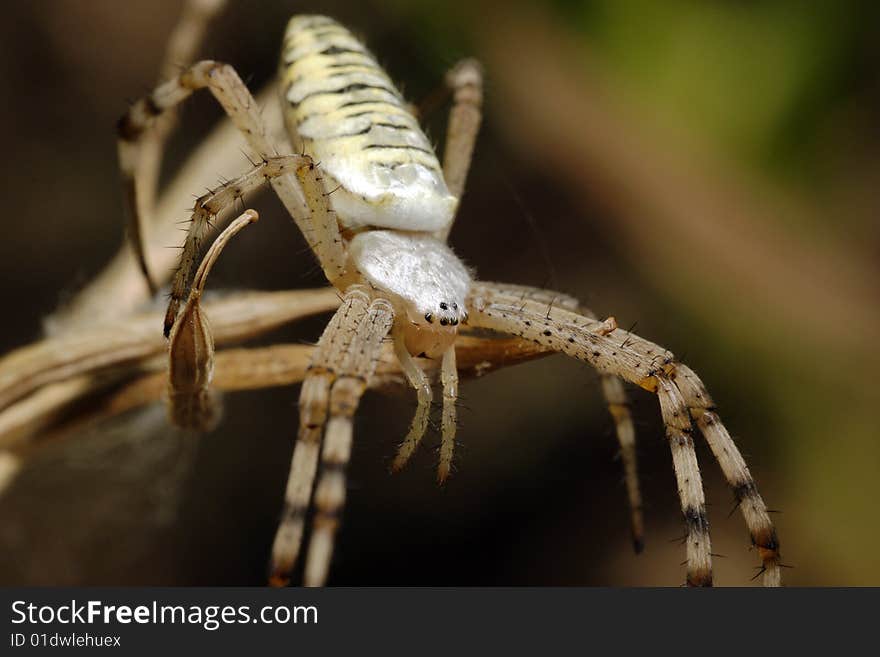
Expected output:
{"points": [[615, 397], [702, 410], [585, 341], [681, 396], [301, 191], [617, 403], [341, 365]]}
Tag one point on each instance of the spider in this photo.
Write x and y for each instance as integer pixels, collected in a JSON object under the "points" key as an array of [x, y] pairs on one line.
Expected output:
{"points": [[367, 191]]}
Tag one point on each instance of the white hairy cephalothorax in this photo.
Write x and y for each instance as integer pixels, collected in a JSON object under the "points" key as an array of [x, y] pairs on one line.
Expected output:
{"points": [[365, 187]]}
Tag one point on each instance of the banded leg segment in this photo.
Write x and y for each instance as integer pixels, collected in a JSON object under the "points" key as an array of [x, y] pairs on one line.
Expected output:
{"points": [[616, 400], [314, 401], [303, 195], [679, 433], [651, 367], [588, 340], [736, 472], [362, 356]]}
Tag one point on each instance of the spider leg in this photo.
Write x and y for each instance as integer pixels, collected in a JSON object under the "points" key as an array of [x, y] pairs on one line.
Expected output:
{"points": [[211, 205], [612, 390], [617, 403], [736, 472], [302, 194], [449, 379], [702, 409], [314, 399], [336, 356], [466, 82], [418, 380], [180, 51], [530, 296], [362, 355], [679, 433], [653, 368]]}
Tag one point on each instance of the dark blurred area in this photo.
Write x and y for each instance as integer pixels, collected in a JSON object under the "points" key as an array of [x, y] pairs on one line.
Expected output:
{"points": [[706, 172]]}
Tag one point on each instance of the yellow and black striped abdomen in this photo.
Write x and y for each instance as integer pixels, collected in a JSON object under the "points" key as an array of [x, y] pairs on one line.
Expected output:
{"points": [[348, 115]]}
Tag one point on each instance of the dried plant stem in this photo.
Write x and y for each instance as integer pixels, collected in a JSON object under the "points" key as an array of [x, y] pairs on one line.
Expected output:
{"points": [[47, 414], [130, 340], [191, 402]]}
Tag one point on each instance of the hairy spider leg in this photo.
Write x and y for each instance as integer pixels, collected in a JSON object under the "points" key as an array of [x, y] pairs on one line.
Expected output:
{"points": [[301, 192], [362, 356], [347, 349], [615, 396], [653, 368]]}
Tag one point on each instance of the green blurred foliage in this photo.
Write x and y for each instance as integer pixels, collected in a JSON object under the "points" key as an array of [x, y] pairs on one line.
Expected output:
{"points": [[757, 78]]}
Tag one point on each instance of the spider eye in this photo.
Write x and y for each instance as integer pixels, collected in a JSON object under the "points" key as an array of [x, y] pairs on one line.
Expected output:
{"points": [[443, 321], [429, 318], [443, 306]]}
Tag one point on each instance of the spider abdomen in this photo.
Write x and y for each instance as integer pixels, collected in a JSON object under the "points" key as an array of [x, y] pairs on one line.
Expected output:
{"points": [[351, 118]]}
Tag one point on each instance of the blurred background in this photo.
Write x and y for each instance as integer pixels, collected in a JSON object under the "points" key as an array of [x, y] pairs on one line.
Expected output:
{"points": [[704, 171]]}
